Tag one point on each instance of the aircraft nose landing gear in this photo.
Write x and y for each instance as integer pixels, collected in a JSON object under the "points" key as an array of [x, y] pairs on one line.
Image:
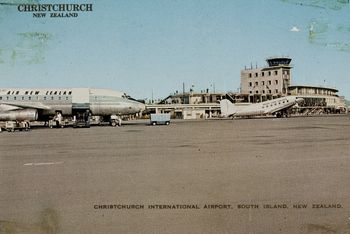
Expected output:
{"points": [[115, 121]]}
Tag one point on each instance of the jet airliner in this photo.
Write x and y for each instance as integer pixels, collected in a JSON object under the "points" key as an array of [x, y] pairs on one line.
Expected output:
{"points": [[278, 107], [32, 104]]}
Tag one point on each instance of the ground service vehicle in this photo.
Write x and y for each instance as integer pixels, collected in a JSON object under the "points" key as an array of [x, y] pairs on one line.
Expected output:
{"points": [[160, 119]]}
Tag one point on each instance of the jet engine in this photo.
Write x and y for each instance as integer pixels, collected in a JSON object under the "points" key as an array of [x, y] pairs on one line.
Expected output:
{"points": [[19, 115]]}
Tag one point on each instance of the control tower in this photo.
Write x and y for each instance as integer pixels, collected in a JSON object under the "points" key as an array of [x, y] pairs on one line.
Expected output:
{"points": [[280, 61], [266, 83]]}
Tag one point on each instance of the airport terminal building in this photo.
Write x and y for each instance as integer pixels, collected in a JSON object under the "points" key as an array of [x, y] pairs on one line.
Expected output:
{"points": [[266, 83], [257, 85], [317, 100]]}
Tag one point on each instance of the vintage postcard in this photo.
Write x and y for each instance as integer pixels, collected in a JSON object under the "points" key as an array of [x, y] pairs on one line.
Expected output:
{"points": [[174, 116]]}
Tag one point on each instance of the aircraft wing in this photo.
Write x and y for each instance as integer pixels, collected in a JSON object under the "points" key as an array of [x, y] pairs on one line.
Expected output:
{"points": [[15, 106]]}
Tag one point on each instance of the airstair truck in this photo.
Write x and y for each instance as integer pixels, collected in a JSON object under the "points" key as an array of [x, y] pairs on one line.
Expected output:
{"points": [[160, 119]]}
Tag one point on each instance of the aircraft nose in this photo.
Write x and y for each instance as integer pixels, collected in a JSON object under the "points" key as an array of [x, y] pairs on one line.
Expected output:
{"points": [[141, 106], [299, 100]]}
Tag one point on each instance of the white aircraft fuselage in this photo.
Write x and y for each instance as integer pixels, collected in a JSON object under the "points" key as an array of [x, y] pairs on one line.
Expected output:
{"points": [[41, 103], [274, 106]]}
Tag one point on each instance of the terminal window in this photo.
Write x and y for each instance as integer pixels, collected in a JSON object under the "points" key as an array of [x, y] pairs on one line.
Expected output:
{"points": [[276, 73]]}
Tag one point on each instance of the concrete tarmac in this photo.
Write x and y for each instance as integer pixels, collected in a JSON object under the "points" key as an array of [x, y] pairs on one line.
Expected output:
{"points": [[211, 176]]}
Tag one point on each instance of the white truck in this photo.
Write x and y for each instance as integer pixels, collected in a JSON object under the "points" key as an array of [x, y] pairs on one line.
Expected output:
{"points": [[160, 119]]}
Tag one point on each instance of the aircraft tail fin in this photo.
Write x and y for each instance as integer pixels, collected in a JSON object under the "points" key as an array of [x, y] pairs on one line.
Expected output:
{"points": [[227, 108]]}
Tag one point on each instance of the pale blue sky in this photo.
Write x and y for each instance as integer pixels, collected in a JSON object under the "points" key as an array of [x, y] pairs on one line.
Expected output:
{"points": [[156, 45]]}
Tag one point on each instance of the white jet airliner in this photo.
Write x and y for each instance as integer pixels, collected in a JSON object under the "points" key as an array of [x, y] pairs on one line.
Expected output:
{"points": [[277, 107], [31, 104]]}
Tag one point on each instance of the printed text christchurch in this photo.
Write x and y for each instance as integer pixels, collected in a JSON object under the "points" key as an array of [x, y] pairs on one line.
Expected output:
{"points": [[53, 7]]}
